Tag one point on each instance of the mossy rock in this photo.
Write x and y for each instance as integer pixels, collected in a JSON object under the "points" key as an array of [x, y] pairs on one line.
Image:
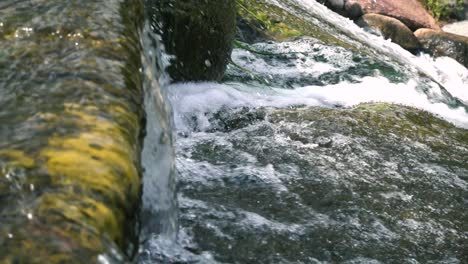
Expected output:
{"points": [[260, 20], [199, 34], [379, 121], [328, 175], [71, 130]]}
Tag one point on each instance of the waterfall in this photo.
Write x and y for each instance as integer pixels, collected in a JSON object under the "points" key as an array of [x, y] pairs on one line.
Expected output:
{"points": [[308, 152], [158, 158]]}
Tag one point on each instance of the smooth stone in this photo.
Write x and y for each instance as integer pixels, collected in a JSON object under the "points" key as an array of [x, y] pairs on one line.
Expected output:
{"points": [[391, 28], [411, 12], [459, 28]]}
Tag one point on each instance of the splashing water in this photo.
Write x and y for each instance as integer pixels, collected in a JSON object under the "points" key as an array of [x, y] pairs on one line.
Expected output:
{"points": [[159, 203], [282, 163]]}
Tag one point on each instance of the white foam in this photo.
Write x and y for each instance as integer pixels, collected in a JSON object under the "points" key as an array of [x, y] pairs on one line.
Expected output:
{"points": [[198, 99], [301, 64], [452, 75]]}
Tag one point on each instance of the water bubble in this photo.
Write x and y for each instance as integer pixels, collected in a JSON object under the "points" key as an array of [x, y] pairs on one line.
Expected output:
{"points": [[103, 259]]}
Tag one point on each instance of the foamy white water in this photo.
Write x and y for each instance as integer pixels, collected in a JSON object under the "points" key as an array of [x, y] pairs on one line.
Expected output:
{"points": [[199, 99], [417, 81], [446, 71]]}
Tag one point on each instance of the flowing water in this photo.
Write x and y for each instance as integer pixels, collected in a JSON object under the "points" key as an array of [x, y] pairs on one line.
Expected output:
{"points": [[283, 163]]}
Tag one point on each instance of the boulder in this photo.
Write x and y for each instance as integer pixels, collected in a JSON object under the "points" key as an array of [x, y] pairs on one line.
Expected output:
{"points": [[439, 43], [199, 34], [411, 12], [390, 28], [71, 117], [348, 163], [459, 28], [336, 5]]}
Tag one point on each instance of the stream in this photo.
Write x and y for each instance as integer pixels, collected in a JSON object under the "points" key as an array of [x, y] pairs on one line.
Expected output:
{"points": [[290, 159]]}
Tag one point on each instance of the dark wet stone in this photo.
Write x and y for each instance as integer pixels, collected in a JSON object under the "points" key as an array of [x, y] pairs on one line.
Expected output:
{"points": [[439, 43], [199, 33]]}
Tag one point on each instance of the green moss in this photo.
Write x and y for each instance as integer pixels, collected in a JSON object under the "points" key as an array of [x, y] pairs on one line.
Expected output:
{"points": [[265, 18], [72, 116], [443, 10], [16, 158], [278, 24]]}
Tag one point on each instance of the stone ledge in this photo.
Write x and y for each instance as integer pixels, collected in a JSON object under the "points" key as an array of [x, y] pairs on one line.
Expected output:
{"points": [[71, 112]]}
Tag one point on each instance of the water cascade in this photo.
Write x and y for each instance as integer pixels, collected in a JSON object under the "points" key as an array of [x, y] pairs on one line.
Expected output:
{"points": [[313, 150], [322, 143]]}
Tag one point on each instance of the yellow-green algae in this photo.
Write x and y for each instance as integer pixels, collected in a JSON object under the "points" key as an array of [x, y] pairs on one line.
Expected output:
{"points": [[278, 24], [70, 130]]}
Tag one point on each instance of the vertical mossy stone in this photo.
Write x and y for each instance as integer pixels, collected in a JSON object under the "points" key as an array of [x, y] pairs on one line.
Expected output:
{"points": [[200, 34], [71, 115]]}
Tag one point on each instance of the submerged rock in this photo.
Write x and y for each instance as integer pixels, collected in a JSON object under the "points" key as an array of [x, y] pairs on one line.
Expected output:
{"points": [[390, 28], [199, 33], [71, 119], [411, 12], [439, 43], [370, 184]]}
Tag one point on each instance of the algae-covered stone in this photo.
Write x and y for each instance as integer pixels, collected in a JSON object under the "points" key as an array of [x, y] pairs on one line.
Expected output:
{"points": [[384, 181], [70, 130], [199, 33], [263, 20]]}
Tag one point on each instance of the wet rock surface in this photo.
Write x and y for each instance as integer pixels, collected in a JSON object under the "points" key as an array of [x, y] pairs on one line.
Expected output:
{"points": [[260, 20], [70, 130], [375, 183], [199, 34], [439, 43]]}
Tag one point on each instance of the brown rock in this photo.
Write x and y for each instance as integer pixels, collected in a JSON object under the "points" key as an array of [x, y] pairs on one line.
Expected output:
{"points": [[391, 28], [439, 43], [410, 12]]}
